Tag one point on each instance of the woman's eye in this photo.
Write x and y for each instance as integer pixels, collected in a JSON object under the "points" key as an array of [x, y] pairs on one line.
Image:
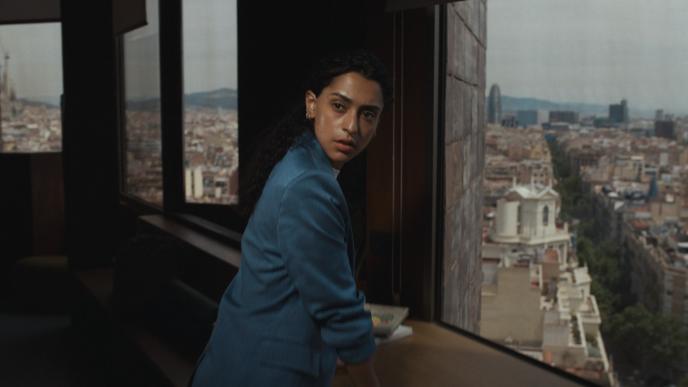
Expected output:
{"points": [[338, 106]]}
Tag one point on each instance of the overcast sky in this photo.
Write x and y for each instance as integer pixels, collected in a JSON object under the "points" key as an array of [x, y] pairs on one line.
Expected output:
{"points": [[209, 46], [596, 51], [210, 50], [35, 64]]}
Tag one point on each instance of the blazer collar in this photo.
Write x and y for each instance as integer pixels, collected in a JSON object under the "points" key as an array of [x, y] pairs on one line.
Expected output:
{"points": [[316, 151]]}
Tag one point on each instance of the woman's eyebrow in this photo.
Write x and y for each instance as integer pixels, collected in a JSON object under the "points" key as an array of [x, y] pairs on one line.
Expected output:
{"points": [[342, 96], [349, 100]]}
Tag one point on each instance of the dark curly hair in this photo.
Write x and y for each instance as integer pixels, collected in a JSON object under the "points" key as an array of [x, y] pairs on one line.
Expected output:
{"points": [[279, 138]]}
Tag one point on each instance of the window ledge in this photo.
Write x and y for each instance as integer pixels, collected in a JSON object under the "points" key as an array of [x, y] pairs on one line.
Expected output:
{"points": [[434, 355], [208, 245]]}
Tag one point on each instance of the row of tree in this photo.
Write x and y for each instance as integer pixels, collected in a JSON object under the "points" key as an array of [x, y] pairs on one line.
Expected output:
{"points": [[654, 344]]}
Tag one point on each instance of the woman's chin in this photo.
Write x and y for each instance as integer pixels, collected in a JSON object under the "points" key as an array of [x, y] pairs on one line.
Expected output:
{"points": [[339, 160]]}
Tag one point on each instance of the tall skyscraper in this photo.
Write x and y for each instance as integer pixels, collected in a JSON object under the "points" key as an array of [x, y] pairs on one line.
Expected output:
{"points": [[618, 113], [494, 105]]}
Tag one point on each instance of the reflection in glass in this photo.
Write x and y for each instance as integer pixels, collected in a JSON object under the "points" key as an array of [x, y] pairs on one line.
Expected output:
{"points": [[142, 140], [211, 148], [30, 88]]}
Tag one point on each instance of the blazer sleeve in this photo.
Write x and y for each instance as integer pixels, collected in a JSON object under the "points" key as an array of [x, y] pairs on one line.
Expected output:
{"points": [[311, 230]]}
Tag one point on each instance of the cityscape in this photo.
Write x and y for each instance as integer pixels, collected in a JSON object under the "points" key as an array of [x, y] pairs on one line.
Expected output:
{"points": [[211, 156], [585, 240], [211, 150], [26, 126]]}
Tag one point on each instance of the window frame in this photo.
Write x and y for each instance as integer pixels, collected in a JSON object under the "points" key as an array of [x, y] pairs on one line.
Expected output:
{"points": [[223, 221], [139, 205], [48, 18]]}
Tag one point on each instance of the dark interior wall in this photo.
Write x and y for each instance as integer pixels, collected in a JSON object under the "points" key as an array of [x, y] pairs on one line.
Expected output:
{"points": [[15, 207], [278, 45], [399, 257], [89, 132], [31, 204]]}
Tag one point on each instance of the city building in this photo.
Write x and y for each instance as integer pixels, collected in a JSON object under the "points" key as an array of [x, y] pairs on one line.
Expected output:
{"points": [[640, 198], [509, 120], [618, 113], [527, 118], [535, 297], [563, 116], [522, 155], [526, 216], [666, 129], [494, 105]]}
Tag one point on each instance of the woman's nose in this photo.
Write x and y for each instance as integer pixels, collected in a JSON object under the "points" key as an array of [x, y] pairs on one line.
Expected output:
{"points": [[351, 124]]}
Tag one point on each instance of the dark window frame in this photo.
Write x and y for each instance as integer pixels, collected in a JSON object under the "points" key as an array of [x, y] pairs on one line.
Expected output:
{"points": [[137, 204], [223, 221]]}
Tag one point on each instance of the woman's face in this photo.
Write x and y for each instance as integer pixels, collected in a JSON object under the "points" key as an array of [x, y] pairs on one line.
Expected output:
{"points": [[345, 115]]}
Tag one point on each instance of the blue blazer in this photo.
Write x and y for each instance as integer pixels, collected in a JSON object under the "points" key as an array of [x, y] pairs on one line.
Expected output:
{"points": [[293, 307]]}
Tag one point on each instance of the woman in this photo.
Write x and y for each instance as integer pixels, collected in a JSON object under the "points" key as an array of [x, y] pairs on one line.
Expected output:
{"points": [[293, 309]]}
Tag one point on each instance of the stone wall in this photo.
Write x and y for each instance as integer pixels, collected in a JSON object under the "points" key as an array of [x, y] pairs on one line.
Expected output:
{"points": [[464, 141]]}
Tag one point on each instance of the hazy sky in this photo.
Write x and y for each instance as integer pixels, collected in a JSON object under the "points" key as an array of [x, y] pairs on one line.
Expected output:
{"points": [[209, 46], [596, 51], [35, 65], [210, 49]]}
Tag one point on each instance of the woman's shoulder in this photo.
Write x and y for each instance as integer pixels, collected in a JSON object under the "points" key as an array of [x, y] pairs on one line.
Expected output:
{"points": [[297, 168], [302, 161]]}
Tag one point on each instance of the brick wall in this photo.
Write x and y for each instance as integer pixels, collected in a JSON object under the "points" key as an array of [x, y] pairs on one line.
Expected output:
{"points": [[464, 141]]}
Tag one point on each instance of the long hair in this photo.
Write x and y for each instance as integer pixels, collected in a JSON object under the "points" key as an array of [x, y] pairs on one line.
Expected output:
{"points": [[280, 137]]}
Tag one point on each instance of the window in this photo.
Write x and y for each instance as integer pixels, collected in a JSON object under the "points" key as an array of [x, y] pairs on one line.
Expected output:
{"points": [[30, 88], [142, 120], [211, 129], [595, 89]]}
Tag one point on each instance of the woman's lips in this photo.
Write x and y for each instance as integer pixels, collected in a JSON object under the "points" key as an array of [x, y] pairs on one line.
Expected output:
{"points": [[344, 147]]}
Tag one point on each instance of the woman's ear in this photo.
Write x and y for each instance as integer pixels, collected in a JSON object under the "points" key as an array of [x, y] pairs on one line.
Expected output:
{"points": [[310, 102]]}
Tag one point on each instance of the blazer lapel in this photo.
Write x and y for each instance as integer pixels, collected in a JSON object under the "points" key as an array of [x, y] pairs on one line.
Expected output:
{"points": [[323, 162]]}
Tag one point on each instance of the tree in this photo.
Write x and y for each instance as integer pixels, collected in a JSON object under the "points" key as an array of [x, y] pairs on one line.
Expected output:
{"points": [[655, 343]]}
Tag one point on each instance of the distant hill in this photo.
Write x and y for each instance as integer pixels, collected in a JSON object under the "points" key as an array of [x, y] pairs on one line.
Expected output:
{"points": [[221, 98], [224, 98], [585, 109], [41, 101]]}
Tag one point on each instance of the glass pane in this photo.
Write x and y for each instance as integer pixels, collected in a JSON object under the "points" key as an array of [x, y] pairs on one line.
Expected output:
{"points": [[585, 201], [142, 142], [30, 87], [211, 126]]}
